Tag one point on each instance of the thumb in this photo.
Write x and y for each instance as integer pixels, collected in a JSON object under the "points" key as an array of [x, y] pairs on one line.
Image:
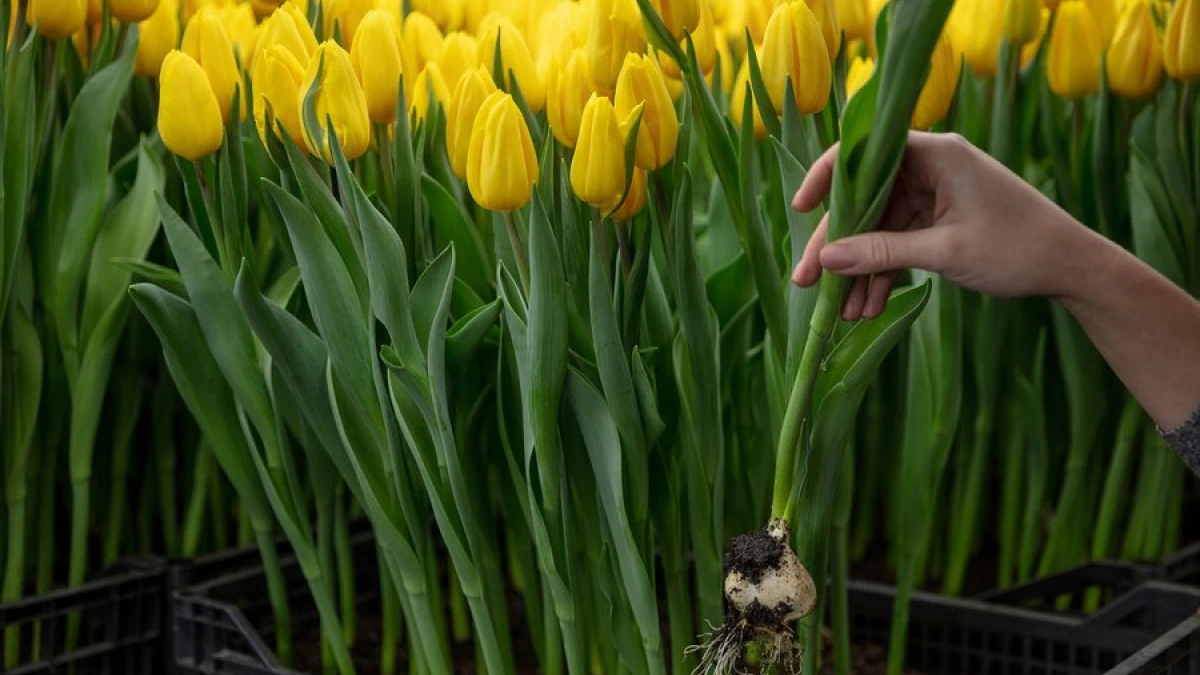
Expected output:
{"points": [[882, 251]]}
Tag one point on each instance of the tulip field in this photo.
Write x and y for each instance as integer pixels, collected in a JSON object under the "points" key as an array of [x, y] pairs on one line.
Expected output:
{"points": [[509, 281]]}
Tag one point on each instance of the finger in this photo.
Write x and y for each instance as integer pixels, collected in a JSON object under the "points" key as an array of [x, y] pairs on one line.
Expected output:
{"points": [[816, 185], [852, 310], [808, 270], [876, 252], [877, 297]]}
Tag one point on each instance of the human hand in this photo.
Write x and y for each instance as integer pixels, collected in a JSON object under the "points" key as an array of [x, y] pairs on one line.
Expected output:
{"points": [[953, 211]]}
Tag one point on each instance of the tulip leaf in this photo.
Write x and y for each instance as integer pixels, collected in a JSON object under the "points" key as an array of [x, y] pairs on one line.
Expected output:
{"points": [[643, 381], [801, 301], [163, 277], [757, 94], [1151, 239], [18, 133], [657, 33], [453, 223], [730, 288], [466, 334]]}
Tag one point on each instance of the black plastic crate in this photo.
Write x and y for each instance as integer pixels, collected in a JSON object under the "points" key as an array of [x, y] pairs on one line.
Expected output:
{"points": [[121, 615], [1182, 567]]}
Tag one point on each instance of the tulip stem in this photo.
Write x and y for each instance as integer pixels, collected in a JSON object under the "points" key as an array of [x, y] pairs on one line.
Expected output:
{"points": [[624, 245], [518, 249]]}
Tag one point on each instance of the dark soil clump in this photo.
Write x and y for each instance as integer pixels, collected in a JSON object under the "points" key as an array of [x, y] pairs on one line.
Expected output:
{"points": [[753, 553]]}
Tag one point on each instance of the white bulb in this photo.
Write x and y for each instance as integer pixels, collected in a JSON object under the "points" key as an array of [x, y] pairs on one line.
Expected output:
{"points": [[784, 591]]}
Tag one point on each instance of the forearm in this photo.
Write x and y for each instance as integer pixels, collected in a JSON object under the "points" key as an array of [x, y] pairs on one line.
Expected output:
{"points": [[1145, 327]]}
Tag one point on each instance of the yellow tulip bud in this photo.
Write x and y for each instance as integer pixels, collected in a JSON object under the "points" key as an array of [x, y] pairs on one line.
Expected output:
{"points": [[737, 102], [263, 8], [278, 76], [157, 36], [635, 201], [132, 11], [704, 39], [240, 26], [1021, 21], [206, 41], [678, 15], [289, 29], [1135, 57], [1104, 14], [447, 14], [344, 15], [502, 166], [725, 63], [938, 92], [826, 13], [339, 101], [757, 14], [515, 59], [976, 28], [189, 115], [473, 87], [460, 53], [1181, 53], [598, 167], [616, 30], [794, 49], [1073, 55], [641, 82], [855, 19], [473, 13], [57, 19], [567, 92], [860, 71], [1030, 50], [423, 37], [376, 59], [429, 89]]}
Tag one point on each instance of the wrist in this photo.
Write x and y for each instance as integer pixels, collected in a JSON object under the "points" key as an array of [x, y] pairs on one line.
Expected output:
{"points": [[1083, 266]]}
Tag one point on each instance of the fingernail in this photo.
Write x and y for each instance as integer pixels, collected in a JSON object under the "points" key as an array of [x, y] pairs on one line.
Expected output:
{"points": [[837, 257]]}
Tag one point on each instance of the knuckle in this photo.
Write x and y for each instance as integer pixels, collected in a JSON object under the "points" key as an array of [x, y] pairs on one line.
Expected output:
{"points": [[881, 251]]}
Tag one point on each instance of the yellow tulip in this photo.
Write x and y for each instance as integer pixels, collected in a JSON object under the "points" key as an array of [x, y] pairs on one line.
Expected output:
{"points": [[447, 14], [976, 28], [206, 41], [826, 13], [344, 15], [641, 82], [737, 102], [567, 92], [1181, 53], [598, 167], [635, 201], [794, 49], [678, 15], [423, 37], [289, 28], [757, 14], [1021, 21], [616, 30], [460, 53], [189, 115], [1104, 14], [473, 87], [429, 89], [1073, 55], [854, 17], [56, 19], [1135, 57], [157, 36], [240, 25], [1030, 50], [377, 62], [502, 166], [725, 62], [132, 11], [860, 71], [278, 76], [473, 13], [263, 8], [938, 92], [515, 58], [339, 101], [704, 39]]}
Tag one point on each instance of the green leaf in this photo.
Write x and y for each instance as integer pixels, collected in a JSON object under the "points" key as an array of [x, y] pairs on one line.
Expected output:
{"points": [[466, 334], [453, 223], [657, 33], [18, 133], [161, 276], [758, 94], [427, 294]]}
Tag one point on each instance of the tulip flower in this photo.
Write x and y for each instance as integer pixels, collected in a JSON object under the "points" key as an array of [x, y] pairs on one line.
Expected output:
{"points": [[132, 11], [860, 71], [678, 15], [641, 82], [1030, 50], [635, 201], [339, 101], [794, 49], [344, 15], [278, 76], [240, 26], [289, 28], [1104, 14], [423, 37], [157, 36], [515, 58], [598, 167], [57, 19], [429, 89], [616, 30], [263, 9], [725, 63], [1022, 20], [189, 114], [938, 92], [377, 62], [460, 53], [502, 166], [826, 13], [705, 41], [1135, 57], [976, 28], [756, 15], [737, 102], [1074, 52], [472, 89], [854, 18], [447, 14], [567, 92], [206, 41], [1181, 52]]}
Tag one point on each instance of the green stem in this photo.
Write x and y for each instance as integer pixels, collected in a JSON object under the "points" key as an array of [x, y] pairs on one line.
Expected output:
{"points": [[345, 564], [679, 611], [45, 561], [1010, 501], [276, 593], [518, 249], [164, 456], [129, 405], [1116, 484], [840, 607], [389, 641], [193, 520], [460, 628], [552, 646], [219, 513], [81, 490], [965, 516], [14, 566], [325, 556]]}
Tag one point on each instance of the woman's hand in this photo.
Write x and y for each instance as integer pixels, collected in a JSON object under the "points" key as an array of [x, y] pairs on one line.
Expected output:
{"points": [[954, 211]]}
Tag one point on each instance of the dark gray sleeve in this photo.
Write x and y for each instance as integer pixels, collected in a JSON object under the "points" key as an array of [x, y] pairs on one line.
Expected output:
{"points": [[1185, 440]]}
